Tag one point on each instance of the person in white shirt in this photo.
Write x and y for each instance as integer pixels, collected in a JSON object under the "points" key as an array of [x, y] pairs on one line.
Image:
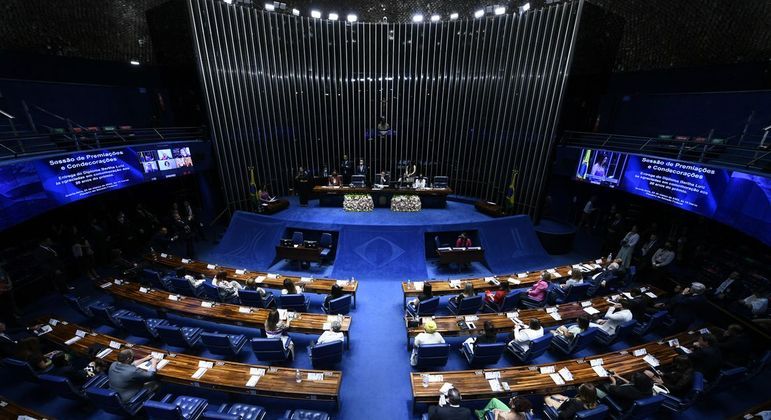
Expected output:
{"points": [[616, 315], [333, 334], [227, 289], [522, 336], [663, 256], [627, 246], [576, 277], [728, 287], [420, 182], [756, 303], [429, 336]]}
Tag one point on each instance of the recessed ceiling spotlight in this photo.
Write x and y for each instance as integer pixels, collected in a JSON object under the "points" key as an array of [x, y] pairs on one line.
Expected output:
{"points": [[295, 12], [333, 16], [417, 18], [499, 10], [479, 13], [315, 14], [352, 18], [524, 8], [134, 62], [453, 16], [435, 18], [270, 7]]}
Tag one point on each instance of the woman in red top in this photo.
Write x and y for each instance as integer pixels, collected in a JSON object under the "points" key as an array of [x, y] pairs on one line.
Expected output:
{"points": [[498, 296], [463, 241]]}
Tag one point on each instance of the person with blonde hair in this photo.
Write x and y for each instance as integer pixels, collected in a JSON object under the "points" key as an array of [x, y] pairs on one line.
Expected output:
{"points": [[428, 336]]}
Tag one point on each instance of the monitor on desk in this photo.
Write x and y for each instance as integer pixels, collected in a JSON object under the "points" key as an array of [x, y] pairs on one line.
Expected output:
{"points": [[357, 180], [310, 244], [441, 181]]}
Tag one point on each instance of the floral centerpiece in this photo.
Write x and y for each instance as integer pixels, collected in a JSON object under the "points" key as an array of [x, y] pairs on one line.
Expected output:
{"points": [[405, 203], [358, 202]]}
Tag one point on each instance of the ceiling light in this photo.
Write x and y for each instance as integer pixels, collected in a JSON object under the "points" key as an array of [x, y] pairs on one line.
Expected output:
{"points": [[435, 18], [499, 10], [229, 1], [333, 16], [453, 16], [479, 13], [315, 14], [270, 7], [417, 18], [295, 12], [134, 62], [524, 8], [352, 18]]}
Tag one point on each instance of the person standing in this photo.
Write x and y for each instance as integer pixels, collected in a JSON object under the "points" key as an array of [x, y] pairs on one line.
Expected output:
{"points": [[627, 247], [346, 169], [302, 184]]}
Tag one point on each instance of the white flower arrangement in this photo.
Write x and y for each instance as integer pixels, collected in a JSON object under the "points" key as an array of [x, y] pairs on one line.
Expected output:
{"points": [[405, 203], [358, 202]]}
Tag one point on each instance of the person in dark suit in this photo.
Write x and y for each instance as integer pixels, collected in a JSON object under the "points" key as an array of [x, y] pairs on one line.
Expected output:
{"points": [[451, 410], [303, 185], [625, 392], [735, 344], [361, 168], [585, 399], [127, 379], [706, 356], [730, 289], [346, 169], [48, 263], [686, 306], [382, 179], [677, 377], [161, 241]]}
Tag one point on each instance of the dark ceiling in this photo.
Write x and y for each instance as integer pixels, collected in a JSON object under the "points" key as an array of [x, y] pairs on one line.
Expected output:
{"points": [[657, 34]]}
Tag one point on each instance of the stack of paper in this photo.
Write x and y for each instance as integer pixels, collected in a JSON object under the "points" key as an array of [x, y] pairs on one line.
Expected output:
{"points": [[204, 364], [495, 386], [435, 378], [556, 316], [596, 362], [471, 318], [651, 360], [455, 283], [552, 271], [557, 379], [244, 310], [80, 333], [282, 314], [512, 280], [115, 345], [547, 369], [312, 376], [206, 304], [640, 352], [272, 276], [103, 353], [257, 371], [306, 279], [673, 343], [418, 285], [493, 375], [199, 373], [586, 303], [252, 381], [600, 371], [240, 272], [161, 364], [210, 266], [164, 255], [565, 374], [143, 290], [551, 309], [591, 311], [259, 279], [521, 275], [342, 283], [185, 261], [53, 322], [173, 297]]}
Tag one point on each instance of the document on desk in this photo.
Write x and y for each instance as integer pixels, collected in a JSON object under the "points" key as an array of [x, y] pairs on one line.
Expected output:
{"points": [[210, 266], [206, 304], [259, 279], [312, 376], [493, 375], [244, 309], [185, 261], [514, 281], [495, 385], [257, 371], [205, 364], [161, 364], [565, 374], [651, 295], [640, 352], [586, 303], [240, 272], [199, 373], [282, 314], [521, 275], [418, 285], [444, 248], [435, 378], [556, 316], [115, 345], [557, 379], [103, 353], [306, 279], [591, 311], [252, 381], [651, 360], [547, 369]]}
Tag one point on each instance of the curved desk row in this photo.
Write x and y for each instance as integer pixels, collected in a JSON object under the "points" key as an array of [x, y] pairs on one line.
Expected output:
{"points": [[226, 313], [11, 410], [222, 375], [478, 384], [481, 284], [266, 280]]}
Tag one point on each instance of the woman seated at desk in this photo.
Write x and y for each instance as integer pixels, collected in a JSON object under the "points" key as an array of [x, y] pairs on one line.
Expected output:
{"points": [[334, 180]]}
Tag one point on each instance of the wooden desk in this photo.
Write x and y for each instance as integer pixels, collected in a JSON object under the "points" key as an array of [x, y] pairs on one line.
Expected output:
{"points": [[226, 313], [273, 207], [319, 286], [10, 410], [224, 376], [298, 253], [528, 379], [568, 312], [489, 208], [460, 255], [481, 284]]}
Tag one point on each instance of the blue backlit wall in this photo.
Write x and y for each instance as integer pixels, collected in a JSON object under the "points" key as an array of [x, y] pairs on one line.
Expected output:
{"points": [[471, 99]]}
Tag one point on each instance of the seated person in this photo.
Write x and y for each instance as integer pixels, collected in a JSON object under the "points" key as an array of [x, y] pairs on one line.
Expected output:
{"points": [[382, 180], [63, 366], [489, 336], [730, 289], [449, 408], [677, 377], [251, 284], [497, 296], [333, 334], [519, 408], [522, 336], [420, 182], [706, 356], [429, 336], [463, 241], [538, 291], [127, 379], [734, 344], [195, 282], [607, 277], [96, 366], [625, 392], [585, 399], [685, 306], [334, 180], [616, 315], [335, 292], [641, 304], [425, 294], [276, 328], [228, 290], [576, 277], [23, 348], [468, 291], [755, 304], [290, 288], [265, 196], [569, 332]]}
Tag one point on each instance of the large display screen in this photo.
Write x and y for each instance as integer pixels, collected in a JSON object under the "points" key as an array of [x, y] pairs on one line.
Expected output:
{"points": [[735, 198], [31, 187]]}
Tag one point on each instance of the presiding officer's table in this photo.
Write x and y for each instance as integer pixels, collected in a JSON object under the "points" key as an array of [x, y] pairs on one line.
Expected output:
{"points": [[460, 255], [481, 284], [266, 280], [304, 323], [505, 322], [299, 253], [429, 197], [10, 410], [222, 376], [475, 385]]}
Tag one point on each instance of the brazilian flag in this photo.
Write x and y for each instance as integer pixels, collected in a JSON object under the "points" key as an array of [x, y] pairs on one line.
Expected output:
{"points": [[510, 190], [584, 168], [252, 186]]}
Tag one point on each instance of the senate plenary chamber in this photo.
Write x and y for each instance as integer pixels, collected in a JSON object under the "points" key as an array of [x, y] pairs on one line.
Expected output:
{"points": [[374, 209]]}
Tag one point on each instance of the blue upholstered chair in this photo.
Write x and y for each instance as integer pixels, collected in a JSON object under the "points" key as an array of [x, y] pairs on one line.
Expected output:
{"points": [[210, 292], [296, 302], [154, 279], [81, 304], [641, 409], [301, 414], [535, 349], [185, 337], [326, 355], [432, 355], [677, 404], [326, 245], [270, 350], [529, 303], [183, 287], [339, 306], [108, 315], [622, 331], [578, 343], [236, 411], [426, 308], [254, 299], [651, 324], [19, 370], [574, 293], [223, 344], [297, 238], [510, 303], [726, 379], [141, 327], [180, 408], [483, 354], [597, 413], [109, 401], [62, 386], [760, 364], [467, 306]]}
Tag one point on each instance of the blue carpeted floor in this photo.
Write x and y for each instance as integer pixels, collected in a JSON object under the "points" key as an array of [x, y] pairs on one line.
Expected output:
{"points": [[376, 368]]}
